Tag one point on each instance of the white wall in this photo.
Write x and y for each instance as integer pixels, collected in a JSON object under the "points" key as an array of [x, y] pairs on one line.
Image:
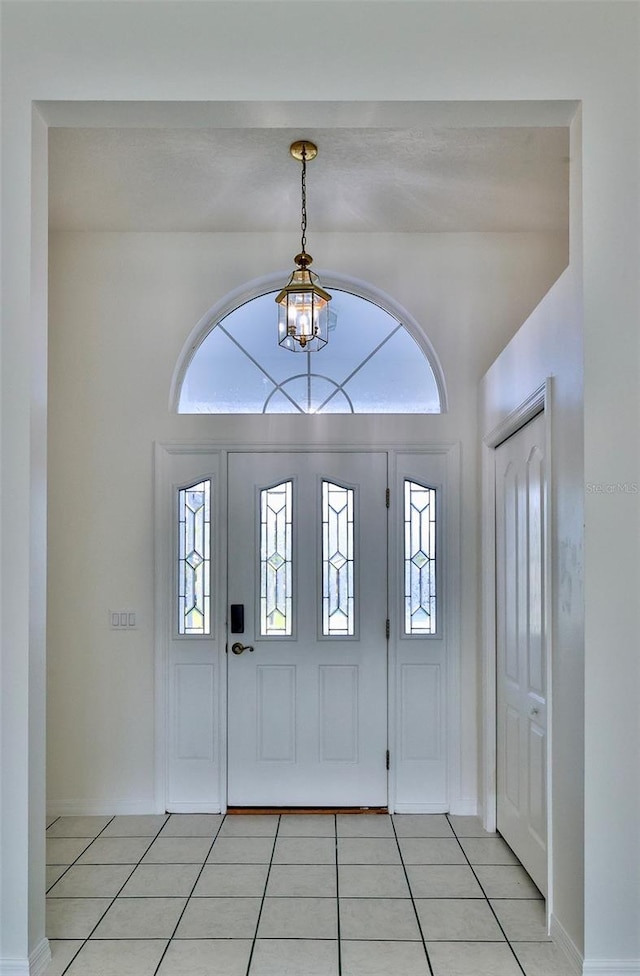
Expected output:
{"points": [[451, 51], [550, 345], [121, 308]]}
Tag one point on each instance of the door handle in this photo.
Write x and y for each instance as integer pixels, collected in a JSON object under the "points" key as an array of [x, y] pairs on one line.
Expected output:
{"points": [[534, 711], [238, 648]]}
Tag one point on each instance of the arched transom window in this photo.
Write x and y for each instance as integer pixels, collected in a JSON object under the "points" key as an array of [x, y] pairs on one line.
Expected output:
{"points": [[372, 364]]}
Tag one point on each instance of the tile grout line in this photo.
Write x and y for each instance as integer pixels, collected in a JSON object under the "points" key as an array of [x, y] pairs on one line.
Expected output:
{"points": [[413, 902], [335, 828], [264, 895], [190, 895], [486, 897]]}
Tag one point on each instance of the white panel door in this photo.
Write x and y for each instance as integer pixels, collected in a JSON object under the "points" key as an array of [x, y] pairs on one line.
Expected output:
{"points": [[521, 664], [307, 710]]}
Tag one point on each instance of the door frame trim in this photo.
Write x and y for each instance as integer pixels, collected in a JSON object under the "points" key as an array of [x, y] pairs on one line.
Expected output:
{"points": [[538, 401], [163, 454]]}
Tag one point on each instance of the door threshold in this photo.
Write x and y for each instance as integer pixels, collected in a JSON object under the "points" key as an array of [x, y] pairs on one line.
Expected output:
{"points": [[257, 811]]}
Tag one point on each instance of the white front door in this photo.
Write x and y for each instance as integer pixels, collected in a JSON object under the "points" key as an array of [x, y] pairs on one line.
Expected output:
{"points": [[521, 647], [307, 705]]}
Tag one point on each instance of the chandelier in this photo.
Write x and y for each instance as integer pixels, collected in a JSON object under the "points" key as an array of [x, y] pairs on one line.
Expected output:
{"points": [[303, 305]]}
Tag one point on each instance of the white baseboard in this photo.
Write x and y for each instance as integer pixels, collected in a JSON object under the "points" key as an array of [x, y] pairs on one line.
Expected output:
{"points": [[611, 967], [40, 958], [464, 807], [203, 807], [14, 967], [34, 965], [420, 808], [564, 941], [101, 808]]}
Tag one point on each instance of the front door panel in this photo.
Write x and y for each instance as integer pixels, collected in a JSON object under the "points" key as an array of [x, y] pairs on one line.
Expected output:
{"points": [[307, 707]]}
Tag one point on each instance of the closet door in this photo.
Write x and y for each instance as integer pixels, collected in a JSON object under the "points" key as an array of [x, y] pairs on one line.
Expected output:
{"points": [[521, 664]]}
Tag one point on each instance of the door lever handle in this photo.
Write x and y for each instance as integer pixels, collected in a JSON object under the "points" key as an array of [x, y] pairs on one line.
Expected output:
{"points": [[238, 648]]}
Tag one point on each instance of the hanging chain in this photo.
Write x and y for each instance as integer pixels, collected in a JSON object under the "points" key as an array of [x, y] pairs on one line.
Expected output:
{"points": [[303, 223]]}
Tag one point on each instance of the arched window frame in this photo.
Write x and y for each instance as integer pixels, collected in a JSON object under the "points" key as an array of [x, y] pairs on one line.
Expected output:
{"points": [[261, 286]]}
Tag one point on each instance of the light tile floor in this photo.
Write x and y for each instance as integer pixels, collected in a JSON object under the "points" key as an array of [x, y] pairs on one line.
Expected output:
{"points": [[291, 895]]}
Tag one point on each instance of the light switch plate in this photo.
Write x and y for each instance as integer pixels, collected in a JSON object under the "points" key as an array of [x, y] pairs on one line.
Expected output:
{"points": [[122, 619]]}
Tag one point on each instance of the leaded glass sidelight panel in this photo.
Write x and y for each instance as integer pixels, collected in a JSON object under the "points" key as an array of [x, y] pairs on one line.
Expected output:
{"points": [[419, 559], [338, 596], [276, 596], [194, 560]]}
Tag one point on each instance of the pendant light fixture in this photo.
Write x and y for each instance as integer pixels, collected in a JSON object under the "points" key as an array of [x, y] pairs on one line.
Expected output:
{"points": [[303, 306]]}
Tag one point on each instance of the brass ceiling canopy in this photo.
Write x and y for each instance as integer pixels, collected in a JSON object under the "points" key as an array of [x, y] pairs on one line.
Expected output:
{"points": [[303, 149]]}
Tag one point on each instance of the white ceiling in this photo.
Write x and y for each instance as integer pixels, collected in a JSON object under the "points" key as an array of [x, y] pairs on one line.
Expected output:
{"points": [[428, 179]]}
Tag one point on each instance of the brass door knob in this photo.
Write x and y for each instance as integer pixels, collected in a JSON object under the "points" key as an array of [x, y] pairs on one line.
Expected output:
{"points": [[238, 648]]}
